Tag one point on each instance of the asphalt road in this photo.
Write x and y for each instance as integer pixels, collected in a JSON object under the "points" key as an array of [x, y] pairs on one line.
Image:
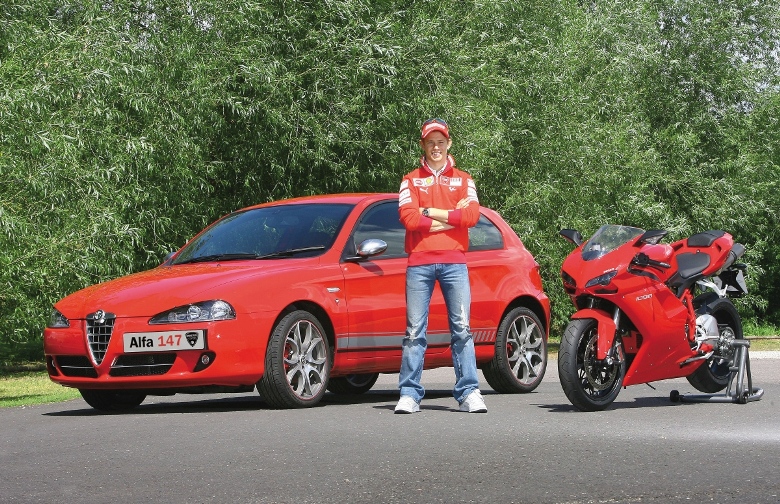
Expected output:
{"points": [[532, 448]]}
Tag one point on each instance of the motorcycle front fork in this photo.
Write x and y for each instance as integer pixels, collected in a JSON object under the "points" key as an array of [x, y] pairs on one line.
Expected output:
{"points": [[615, 355]]}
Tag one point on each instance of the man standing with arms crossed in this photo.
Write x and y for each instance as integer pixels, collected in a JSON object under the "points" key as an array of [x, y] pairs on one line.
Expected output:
{"points": [[437, 204]]}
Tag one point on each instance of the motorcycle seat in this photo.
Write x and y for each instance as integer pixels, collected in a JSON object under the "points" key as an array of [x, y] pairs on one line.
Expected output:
{"points": [[705, 238], [690, 265]]}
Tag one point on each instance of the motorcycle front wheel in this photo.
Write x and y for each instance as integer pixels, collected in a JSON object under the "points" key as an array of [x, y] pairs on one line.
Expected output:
{"points": [[590, 384]]}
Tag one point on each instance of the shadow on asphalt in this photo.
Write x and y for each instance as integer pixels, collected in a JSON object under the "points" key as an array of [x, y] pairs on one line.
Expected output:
{"points": [[195, 406], [639, 402], [245, 403]]}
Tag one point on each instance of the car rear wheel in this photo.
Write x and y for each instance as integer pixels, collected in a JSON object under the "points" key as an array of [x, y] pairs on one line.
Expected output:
{"points": [[112, 400], [353, 384], [297, 363], [521, 353]]}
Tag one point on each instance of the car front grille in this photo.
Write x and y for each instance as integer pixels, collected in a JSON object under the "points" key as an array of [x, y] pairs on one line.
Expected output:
{"points": [[76, 365], [100, 325], [142, 365]]}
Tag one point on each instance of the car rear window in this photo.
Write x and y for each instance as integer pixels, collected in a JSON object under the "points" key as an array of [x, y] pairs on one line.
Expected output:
{"points": [[485, 236]]}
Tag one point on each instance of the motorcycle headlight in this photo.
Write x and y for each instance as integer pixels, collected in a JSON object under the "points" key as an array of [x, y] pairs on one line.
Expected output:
{"points": [[568, 280], [602, 279], [58, 320], [205, 311]]}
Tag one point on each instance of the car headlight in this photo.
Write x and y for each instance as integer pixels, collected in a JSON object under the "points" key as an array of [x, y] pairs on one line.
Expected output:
{"points": [[205, 311], [57, 319], [602, 279]]}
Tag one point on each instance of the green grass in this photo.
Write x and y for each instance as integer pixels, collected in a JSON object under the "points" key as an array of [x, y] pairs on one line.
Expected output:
{"points": [[757, 332], [25, 388], [759, 343]]}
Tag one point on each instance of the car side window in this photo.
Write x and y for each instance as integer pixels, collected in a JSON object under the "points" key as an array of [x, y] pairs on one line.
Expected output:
{"points": [[485, 236], [381, 221]]}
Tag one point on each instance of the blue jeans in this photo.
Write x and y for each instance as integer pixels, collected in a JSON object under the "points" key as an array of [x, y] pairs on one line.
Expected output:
{"points": [[454, 282]]}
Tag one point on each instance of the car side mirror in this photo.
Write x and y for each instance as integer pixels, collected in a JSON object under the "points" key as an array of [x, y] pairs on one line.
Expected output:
{"points": [[572, 235], [369, 248]]}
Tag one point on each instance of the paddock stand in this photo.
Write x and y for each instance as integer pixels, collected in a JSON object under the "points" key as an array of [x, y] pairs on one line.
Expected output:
{"points": [[739, 393]]}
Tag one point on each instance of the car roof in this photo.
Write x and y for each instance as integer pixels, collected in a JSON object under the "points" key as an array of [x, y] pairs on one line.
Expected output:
{"points": [[350, 198]]}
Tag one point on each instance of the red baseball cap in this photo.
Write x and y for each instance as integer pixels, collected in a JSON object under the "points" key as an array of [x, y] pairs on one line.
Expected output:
{"points": [[432, 125]]}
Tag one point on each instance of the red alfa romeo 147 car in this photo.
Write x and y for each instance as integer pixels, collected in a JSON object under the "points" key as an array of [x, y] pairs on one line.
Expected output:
{"points": [[295, 298]]}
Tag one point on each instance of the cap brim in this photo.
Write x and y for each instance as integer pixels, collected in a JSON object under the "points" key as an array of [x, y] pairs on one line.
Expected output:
{"points": [[430, 128]]}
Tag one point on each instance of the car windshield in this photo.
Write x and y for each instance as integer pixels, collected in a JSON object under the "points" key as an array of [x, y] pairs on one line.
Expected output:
{"points": [[607, 239], [293, 230]]}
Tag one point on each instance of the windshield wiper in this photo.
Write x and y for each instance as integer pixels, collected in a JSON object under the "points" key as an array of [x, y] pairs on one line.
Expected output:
{"points": [[247, 255], [220, 257], [289, 252]]}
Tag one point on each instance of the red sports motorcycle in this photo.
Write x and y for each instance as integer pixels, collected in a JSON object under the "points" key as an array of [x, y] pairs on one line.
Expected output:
{"points": [[648, 311]]}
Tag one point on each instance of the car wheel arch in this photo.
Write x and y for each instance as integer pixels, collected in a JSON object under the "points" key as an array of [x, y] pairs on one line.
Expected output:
{"points": [[316, 310], [532, 304]]}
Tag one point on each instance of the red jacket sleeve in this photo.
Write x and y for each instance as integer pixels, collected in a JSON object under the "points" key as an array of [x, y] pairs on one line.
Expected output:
{"points": [[409, 208], [470, 215]]}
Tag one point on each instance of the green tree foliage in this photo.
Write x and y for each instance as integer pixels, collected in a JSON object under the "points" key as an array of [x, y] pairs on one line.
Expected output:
{"points": [[126, 126]]}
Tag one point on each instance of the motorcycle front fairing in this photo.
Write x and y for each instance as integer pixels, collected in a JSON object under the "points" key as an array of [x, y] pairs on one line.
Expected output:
{"points": [[652, 320], [659, 319], [651, 324]]}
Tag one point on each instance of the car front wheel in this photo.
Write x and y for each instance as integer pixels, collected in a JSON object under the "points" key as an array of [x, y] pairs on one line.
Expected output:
{"points": [[297, 363], [112, 400]]}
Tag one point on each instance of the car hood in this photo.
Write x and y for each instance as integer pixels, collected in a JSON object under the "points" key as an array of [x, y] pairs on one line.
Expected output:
{"points": [[150, 292]]}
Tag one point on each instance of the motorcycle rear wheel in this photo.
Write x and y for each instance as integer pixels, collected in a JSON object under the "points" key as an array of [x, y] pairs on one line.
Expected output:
{"points": [[590, 384], [713, 375]]}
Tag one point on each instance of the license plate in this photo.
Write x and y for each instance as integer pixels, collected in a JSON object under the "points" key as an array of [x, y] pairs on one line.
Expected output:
{"points": [[165, 341]]}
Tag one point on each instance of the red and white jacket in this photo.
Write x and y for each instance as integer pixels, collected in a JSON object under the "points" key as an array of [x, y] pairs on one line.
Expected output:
{"points": [[423, 188]]}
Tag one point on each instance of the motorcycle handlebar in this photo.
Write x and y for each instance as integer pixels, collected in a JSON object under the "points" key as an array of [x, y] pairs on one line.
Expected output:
{"points": [[641, 259]]}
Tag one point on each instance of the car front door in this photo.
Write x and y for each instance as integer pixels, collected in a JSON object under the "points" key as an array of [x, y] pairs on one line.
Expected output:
{"points": [[375, 292]]}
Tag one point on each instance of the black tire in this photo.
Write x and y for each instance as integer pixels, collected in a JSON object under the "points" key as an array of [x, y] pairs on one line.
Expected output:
{"points": [[353, 384], [713, 375], [520, 359], [590, 385], [111, 401], [297, 363]]}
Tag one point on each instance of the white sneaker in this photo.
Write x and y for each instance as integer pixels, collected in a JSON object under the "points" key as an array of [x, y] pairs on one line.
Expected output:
{"points": [[407, 405], [474, 403]]}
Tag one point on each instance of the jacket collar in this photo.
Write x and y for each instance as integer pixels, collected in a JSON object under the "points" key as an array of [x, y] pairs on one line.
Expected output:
{"points": [[448, 166]]}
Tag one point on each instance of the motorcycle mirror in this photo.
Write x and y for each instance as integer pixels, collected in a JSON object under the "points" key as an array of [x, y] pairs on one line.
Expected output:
{"points": [[572, 235], [641, 259], [652, 236]]}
